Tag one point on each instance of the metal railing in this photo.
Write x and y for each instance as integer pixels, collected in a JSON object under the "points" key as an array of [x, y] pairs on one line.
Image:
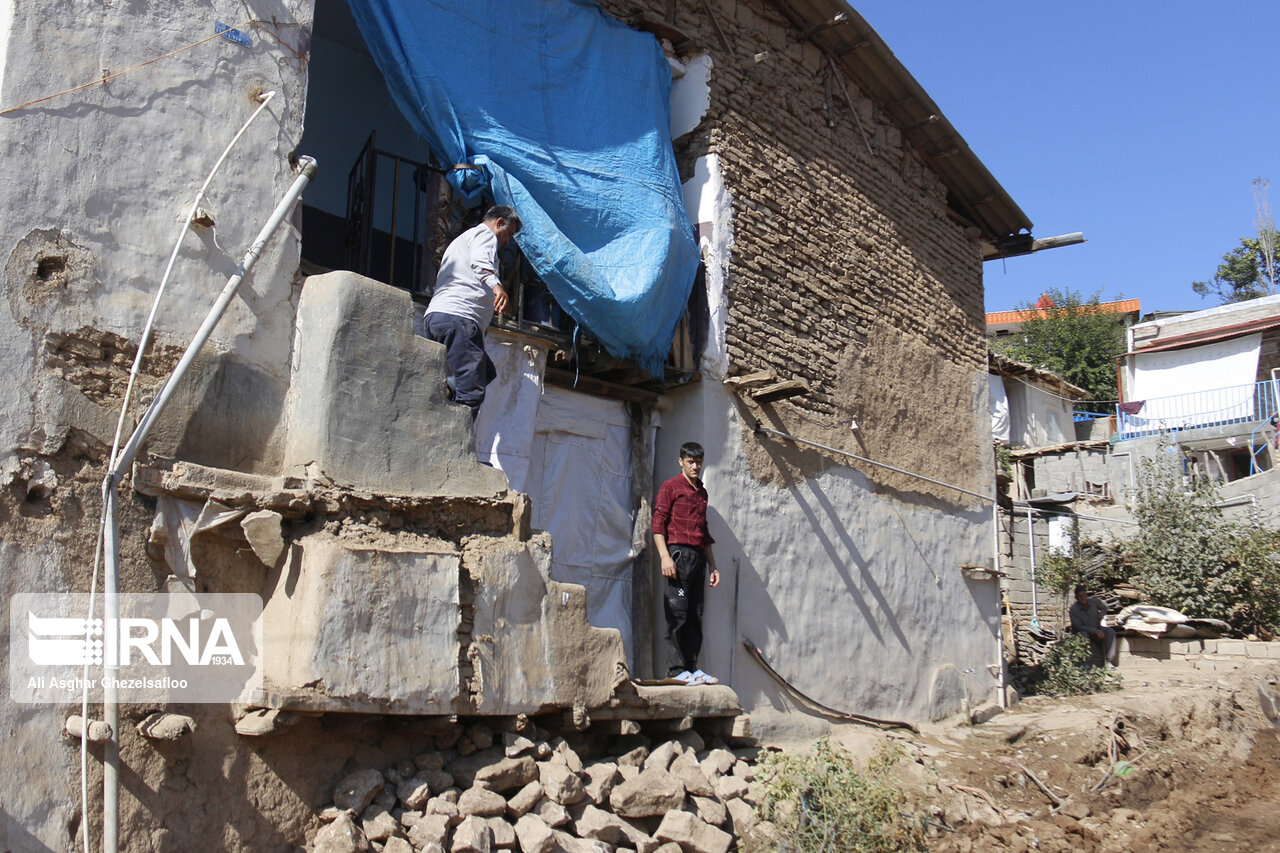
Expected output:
{"points": [[1238, 404], [390, 219]]}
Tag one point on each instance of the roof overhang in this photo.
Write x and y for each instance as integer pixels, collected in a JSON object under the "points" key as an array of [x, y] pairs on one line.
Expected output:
{"points": [[973, 194]]}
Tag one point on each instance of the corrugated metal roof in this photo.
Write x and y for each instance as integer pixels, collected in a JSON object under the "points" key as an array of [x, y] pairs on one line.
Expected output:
{"points": [[972, 192]]}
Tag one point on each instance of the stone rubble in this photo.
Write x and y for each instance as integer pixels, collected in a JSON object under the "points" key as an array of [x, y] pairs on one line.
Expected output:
{"points": [[484, 791]]}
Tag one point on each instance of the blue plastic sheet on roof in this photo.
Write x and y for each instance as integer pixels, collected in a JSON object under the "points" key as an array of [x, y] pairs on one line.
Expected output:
{"points": [[566, 111]]}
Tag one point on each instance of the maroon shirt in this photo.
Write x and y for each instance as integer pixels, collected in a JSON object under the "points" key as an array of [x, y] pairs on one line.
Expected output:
{"points": [[680, 513]]}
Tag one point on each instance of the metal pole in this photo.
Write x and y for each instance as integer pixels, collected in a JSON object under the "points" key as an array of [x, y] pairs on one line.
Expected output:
{"points": [[111, 539], [760, 428]]}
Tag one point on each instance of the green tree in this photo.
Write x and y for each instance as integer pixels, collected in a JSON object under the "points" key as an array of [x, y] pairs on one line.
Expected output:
{"points": [[1246, 272], [1075, 339]]}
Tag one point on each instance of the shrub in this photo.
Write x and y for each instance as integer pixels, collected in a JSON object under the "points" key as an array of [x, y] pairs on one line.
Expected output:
{"points": [[1189, 557], [822, 801], [1066, 670]]}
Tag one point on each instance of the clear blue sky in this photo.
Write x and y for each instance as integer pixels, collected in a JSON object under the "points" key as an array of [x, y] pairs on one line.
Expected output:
{"points": [[1140, 123]]}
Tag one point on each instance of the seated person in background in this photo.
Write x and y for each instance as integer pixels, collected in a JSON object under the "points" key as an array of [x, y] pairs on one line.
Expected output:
{"points": [[1086, 618]]}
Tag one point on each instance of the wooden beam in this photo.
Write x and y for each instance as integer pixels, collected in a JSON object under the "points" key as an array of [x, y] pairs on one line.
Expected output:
{"points": [[780, 391], [599, 387]]}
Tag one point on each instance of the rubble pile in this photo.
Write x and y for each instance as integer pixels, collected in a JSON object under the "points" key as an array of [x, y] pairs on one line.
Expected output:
{"points": [[539, 795]]}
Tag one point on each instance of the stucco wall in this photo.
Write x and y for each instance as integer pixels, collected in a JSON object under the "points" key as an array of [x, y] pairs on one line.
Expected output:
{"points": [[853, 592], [93, 188]]}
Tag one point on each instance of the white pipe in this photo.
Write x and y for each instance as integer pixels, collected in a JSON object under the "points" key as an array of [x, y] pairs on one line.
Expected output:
{"points": [[1031, 547], [995, 562], [760, 428], [143, 342], [111, 542]]}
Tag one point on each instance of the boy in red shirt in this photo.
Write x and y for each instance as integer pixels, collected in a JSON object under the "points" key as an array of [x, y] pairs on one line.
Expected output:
{"points": [[684, 546]]}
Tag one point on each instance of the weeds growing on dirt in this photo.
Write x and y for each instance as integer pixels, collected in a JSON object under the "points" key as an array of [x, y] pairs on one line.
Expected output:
{"points": [[823, 801], [1066, 670]]}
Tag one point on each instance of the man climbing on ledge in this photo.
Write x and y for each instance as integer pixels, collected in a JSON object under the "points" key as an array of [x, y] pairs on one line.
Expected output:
{"points": [[467, 293], [684, 546], [1086, 618]]}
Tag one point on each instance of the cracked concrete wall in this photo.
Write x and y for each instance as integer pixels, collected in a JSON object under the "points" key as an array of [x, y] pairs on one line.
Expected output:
{"points": [[93, 187]]}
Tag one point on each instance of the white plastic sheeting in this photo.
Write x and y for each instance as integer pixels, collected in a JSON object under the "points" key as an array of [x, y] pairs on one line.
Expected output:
{"points": [[571, 453], [999, 408], [580, 483], [1204, 384], [504, 428]]}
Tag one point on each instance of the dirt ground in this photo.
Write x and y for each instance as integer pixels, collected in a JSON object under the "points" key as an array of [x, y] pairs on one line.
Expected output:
{"points": [[1205, 769]]}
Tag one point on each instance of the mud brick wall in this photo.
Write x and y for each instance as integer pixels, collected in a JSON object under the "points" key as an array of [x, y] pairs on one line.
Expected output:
{"points": [[846, 269], [828, 237]]}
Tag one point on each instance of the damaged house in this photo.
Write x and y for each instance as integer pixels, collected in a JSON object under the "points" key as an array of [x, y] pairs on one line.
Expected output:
{"points": [[786, 266]]}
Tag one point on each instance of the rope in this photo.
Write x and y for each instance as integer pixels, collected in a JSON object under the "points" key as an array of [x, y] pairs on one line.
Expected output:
{"points": [[817, 706], [254, 22]]}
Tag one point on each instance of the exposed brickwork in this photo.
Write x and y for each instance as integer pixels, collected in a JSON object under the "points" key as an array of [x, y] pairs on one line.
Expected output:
{"points": [[829, 239]]}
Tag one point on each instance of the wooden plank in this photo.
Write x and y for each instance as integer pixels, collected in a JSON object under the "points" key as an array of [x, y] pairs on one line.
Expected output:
{"points": [[600, 388], [780, 391]]}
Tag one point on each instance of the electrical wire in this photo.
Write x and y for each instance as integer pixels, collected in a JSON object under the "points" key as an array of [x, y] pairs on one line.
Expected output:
{"points": [[252, 22], [814, 704]]}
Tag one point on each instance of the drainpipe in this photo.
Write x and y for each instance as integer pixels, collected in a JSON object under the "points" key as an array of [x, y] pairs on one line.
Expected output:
{"points": [[111, 495], [1031, 548], [995, 562]]}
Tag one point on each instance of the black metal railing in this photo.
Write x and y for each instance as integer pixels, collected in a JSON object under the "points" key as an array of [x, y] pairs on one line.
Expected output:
{"points": [[391, 205]]}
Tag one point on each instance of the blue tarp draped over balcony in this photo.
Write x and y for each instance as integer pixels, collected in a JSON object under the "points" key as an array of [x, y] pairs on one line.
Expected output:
{"points": [[566, 112]]}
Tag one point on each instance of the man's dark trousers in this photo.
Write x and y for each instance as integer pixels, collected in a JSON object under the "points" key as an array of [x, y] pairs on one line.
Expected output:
{"points": [[682, 604], [469, 365]]}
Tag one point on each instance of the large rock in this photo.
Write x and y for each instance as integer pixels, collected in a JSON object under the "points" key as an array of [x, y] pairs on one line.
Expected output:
{"points": [[662, 757], [464, 770], [507, 774], [743, 816], [472, 836], [601, 777], [560, 784], [378, 824], [481, 802], [552, 813], [650, 794], [503, 833], [686, 769], [731, 787], [430, 829], [414, 793], [341, 836], [693, 834], [600, 824], [534, 835], [525, 799], [358, 789], [562, 753], [718, 762], [398, 845], [712, 810]]}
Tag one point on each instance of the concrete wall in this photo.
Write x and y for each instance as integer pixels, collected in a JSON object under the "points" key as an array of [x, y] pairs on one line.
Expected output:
{"points": [[93, 188], [852, 591]]}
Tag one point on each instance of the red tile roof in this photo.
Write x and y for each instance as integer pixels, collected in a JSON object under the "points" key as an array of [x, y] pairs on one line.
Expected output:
{"points": [[1123, 306]]}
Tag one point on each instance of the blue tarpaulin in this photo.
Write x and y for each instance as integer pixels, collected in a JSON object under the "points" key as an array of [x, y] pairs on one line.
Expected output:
{"points": [[566, 111]]}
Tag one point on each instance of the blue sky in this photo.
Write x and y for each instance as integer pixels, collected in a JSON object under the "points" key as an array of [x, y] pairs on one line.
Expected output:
{"points": [[1142, 124]]}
